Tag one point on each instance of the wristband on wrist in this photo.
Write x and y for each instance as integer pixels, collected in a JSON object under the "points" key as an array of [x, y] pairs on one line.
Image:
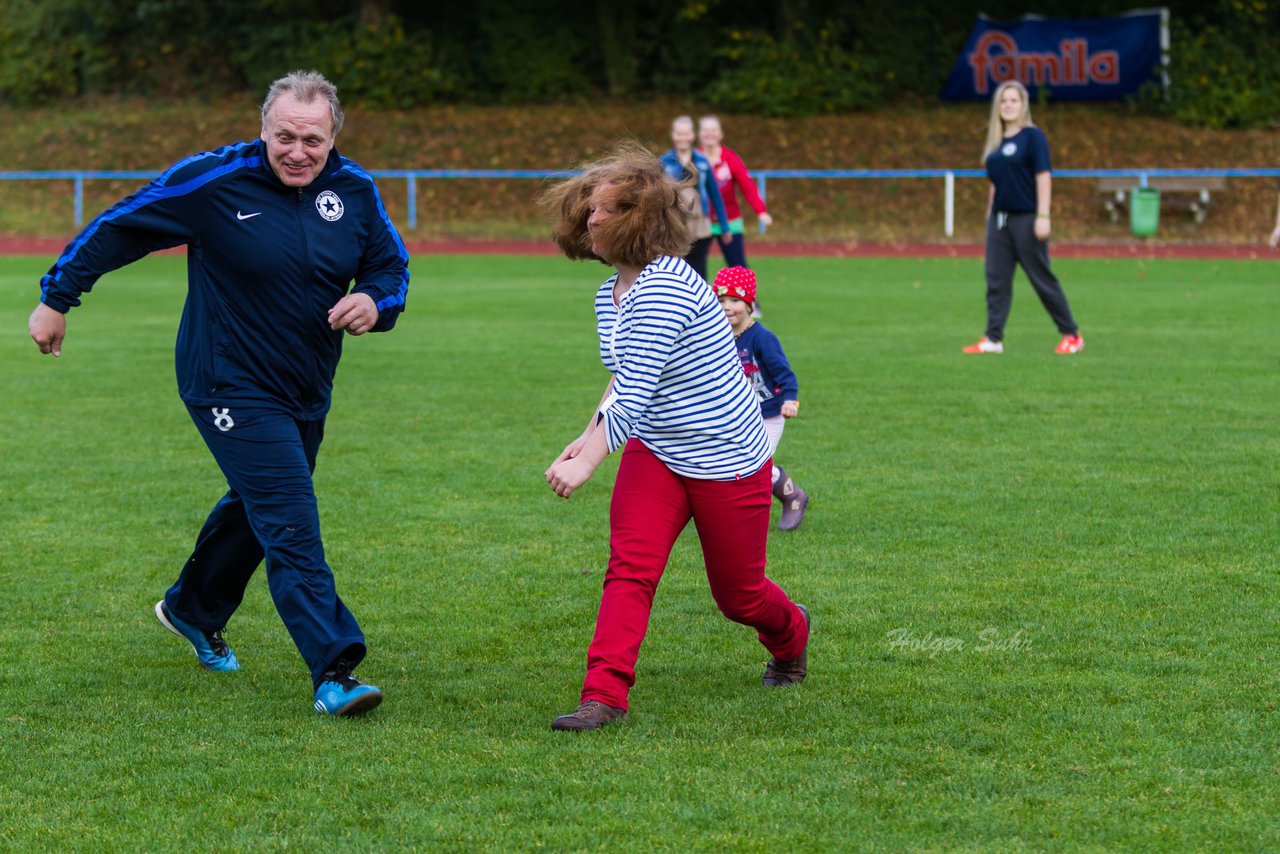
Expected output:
{"points": [[1042, 215]]}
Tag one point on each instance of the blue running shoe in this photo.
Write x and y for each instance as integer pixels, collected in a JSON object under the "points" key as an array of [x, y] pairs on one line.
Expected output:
{"points": [[340, 694], [211, 650]]}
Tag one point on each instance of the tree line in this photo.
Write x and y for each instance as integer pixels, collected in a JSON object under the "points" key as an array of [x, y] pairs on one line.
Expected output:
{"points": [[769, 57]]}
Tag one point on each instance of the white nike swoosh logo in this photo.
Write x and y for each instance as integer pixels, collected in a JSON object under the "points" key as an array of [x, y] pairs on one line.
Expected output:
{"points": [[247, 216]]}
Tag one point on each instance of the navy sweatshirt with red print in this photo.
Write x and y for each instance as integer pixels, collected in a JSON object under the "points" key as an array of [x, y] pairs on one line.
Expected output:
{"points": [[767, 369]]}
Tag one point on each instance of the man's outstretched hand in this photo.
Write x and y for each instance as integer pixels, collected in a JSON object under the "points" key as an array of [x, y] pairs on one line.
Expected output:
{"points": [[355, 313], [47, 327]]}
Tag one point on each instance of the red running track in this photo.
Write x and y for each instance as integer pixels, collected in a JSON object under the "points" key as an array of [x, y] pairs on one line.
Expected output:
{"points": [[788, 249]]}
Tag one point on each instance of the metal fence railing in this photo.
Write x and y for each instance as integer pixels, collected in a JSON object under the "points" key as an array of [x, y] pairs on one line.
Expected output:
{"points": [[411, 177]]}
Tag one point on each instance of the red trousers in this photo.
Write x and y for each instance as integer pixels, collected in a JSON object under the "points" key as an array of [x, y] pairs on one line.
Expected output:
{"points": [[651, 506]]}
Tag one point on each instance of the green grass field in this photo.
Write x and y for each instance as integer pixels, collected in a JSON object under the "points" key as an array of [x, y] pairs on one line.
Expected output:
{"points": [[1044, 588]]}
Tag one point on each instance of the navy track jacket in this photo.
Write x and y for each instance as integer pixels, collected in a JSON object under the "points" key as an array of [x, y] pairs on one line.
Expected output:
{"points": [[265, 263]]}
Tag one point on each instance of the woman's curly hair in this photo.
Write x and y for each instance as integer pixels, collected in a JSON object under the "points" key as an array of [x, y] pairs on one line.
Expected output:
{"points": [[650, 219]]}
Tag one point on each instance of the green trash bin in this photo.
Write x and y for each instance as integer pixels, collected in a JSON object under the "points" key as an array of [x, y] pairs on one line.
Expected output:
{"points": [[1144, 211]]}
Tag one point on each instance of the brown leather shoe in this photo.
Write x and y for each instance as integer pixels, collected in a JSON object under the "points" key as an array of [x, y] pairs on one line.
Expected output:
{"points": [[592, 714], [779, 673]]}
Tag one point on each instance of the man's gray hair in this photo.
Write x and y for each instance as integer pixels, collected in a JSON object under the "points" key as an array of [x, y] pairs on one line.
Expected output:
{"points": [[305, 86]]}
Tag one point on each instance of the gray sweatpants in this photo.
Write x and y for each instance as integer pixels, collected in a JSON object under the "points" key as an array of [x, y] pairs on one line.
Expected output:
{"points": [[1015, 243]]}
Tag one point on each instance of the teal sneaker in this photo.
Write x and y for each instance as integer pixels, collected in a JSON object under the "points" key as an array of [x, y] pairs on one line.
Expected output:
{"points": [[211, 650], [342, 695]]}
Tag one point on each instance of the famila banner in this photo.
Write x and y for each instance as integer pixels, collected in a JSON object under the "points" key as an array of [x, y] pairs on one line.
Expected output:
{"points": [[1086, 59]]}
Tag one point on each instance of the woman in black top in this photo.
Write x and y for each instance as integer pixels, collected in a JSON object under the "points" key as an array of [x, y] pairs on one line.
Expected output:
{"points": [[1017, 160]]}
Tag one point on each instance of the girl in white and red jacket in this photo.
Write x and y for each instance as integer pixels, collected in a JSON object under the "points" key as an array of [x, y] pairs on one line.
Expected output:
{"points": [[731, 175]]}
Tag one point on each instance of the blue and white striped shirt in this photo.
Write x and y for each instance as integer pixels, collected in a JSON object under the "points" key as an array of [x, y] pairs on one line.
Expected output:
{"points": [[678, 384]]}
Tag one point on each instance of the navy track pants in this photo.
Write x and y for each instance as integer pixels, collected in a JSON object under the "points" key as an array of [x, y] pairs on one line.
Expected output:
{"points": [[735, 254], [1013, 242], [270, 510]]}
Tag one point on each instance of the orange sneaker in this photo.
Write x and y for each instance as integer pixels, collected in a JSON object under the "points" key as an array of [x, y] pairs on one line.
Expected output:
{"points": [[986, 345], [1070, 344]]}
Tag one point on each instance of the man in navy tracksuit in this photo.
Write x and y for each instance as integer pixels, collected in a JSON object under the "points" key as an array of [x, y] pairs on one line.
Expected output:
{"points": [[277, 229]]}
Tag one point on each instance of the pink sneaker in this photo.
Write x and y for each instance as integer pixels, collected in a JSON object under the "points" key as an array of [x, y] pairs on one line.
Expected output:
{"points": [[985, 345], [1070, 344]]}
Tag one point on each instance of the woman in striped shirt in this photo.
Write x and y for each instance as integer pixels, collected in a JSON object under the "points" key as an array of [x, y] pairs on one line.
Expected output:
{"points": [[689, 426]]}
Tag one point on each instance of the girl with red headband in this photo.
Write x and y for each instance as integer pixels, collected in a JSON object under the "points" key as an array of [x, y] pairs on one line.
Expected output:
{"points": [[770, 374]]}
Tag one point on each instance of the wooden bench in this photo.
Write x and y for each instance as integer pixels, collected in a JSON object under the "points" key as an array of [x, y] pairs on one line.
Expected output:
{"points": [[1193, 193]]}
